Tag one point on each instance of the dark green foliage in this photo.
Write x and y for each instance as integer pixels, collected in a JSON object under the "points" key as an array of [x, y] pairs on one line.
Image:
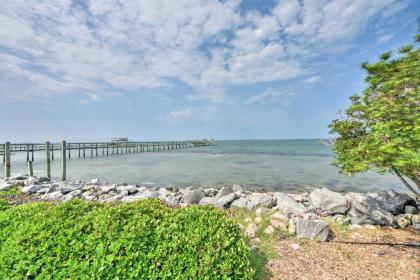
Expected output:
{"points": [[381, 129], [141, 240]]}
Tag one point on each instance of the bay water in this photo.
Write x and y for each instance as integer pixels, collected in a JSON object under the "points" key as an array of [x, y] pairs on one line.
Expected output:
{"points": [[283, 165]]}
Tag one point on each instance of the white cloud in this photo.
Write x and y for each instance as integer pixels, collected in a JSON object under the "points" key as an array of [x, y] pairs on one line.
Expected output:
{"points": [[192, 113], [313, 79], [270, 95], [100, 46], [384, 38]]}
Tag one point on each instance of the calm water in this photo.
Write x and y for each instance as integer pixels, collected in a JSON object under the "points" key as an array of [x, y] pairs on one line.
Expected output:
{"points": [[271, 164]]}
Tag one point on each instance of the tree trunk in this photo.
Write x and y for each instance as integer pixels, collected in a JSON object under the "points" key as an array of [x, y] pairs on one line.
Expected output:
{"points": [[416, 181], [408, 185]]}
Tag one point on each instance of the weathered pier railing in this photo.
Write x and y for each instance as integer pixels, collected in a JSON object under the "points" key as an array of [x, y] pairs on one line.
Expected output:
{"points": [[93, 149]]}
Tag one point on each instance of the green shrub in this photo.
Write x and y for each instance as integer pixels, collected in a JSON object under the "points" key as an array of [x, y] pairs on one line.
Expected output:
{"points": [[141, 240]]}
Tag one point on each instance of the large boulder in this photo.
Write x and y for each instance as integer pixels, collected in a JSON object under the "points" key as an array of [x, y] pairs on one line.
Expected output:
{"points": [[164, 192], [289, 205], [31, 189], [366, 210], [107, 189], [257, 200], [57, 195], [329, 202], [210, 192], [141, 195], [226, 200], [223, 192], [66, 188], [5, 186], [314, 229], [392, 201], [193, 197], [18, 176], [240, 203], [131, 189]]}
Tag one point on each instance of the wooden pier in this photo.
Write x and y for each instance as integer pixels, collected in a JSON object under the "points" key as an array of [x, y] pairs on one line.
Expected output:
{"points": [[92, 149]]}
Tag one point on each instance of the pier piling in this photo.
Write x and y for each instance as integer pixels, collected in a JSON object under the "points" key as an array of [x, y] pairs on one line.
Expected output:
{"points": [[63, 160], [48, 160], [30, 169], [7, 160]]}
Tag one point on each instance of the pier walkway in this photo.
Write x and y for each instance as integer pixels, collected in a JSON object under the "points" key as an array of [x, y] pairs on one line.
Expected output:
{"points": [[93, 149]]}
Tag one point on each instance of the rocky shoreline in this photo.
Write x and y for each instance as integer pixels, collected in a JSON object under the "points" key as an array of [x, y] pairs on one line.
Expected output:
{"points": [[297, 213]]}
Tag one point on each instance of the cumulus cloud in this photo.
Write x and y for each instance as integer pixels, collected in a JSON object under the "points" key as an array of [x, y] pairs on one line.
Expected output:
{"points": [[100, 46]]}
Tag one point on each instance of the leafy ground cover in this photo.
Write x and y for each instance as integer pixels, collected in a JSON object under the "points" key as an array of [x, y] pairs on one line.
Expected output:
{"points": [[140, 240]]}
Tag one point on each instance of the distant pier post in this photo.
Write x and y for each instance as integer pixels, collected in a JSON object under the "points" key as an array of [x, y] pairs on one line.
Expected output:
{"points": [[47, 151], [7, 160], [63, 160]]}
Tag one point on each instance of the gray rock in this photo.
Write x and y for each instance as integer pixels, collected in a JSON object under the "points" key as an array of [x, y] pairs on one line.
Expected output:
{"points": [[329, 202], [131, 189], [95, 181], [107, 189], [72, 195], [366, 210], [19, 183], [312, 229], [31, 189], [88, 197], [223, 192], [415, 221], [65, 188], [140, 196], [237, 188], [18, 176], [251, 231], [177, 197], [44, 179], [57, 195], [226, 200], [170, 201], [5, 186], [117, 197], [261, 200], [289, 205], [32, 181], [193, 197], [172, 189], [43, 190], [210, 192], [392, 201], [208, 200], [240, 203], [403, 220], [409, 209], [164, 192]]}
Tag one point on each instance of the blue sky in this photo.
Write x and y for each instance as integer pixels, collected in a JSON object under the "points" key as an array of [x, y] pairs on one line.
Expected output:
{"points": [[154, 70]]}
